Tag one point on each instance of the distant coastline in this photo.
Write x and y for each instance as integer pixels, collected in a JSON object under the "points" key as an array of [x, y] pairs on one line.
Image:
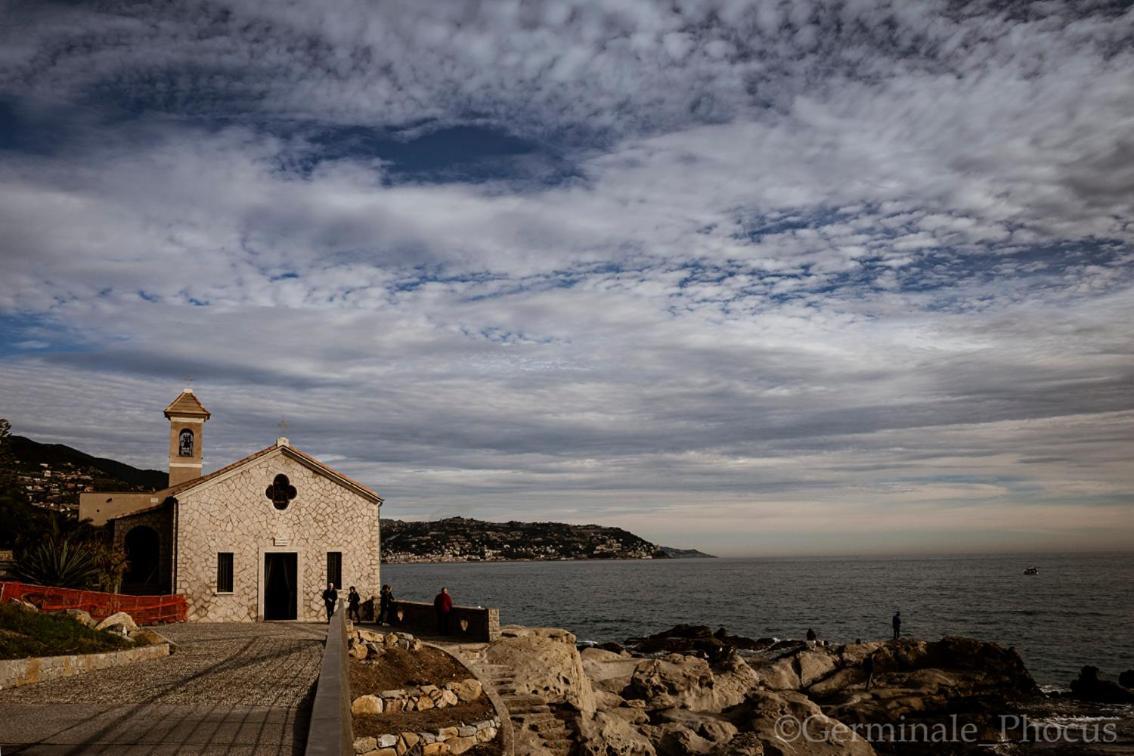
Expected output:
{"points": [[461, 539]]}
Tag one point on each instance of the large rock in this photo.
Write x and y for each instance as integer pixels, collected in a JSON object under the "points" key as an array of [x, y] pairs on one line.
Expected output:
{"points": [[118, 618], [78, 615], [611, 735], [1090, 687], [787, 723], [674, 681], [1126, 679], [545, 663], [814, 665]]}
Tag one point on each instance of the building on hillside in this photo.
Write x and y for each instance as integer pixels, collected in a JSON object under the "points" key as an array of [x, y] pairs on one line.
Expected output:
{"points": [[258, 539]]}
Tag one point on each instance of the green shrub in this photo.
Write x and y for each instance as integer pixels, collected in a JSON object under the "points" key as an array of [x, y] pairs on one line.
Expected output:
{"points": [[24, 634]]}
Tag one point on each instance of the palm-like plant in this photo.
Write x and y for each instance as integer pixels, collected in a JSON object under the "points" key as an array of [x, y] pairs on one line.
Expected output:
{"points": [[59, 560]]}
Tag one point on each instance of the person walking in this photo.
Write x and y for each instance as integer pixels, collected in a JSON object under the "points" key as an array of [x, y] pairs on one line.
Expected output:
{"points": [[443, 605], [386, 605], [868, 670], [330, 598], [353, 600], [897, 624]]}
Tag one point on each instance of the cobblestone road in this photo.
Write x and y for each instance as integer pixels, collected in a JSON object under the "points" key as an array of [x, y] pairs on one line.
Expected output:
{"points": [[228, 688]]}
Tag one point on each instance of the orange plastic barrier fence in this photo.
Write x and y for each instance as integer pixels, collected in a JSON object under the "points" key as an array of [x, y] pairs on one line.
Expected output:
{"points": [[146, 610]]}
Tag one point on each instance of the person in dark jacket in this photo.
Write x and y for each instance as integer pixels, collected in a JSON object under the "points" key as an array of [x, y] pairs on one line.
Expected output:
{"points": [[868, 670], [353, 600], [897, 624], [443, 605], [330, 598], [811, 635], [386, 605]]}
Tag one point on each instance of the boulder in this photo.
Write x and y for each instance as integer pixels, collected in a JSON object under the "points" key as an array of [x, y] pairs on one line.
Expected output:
{"points": [[117, 629], [674, 739], [366, 705], [118, 618], [780, 675], [1090, 687], [674, 681], [1126, 679], [814, 665], [468, 690], [358, 651], [789, 724], [78, 615], [365, 745], [26, 606], [611, 735], [545, 663]]}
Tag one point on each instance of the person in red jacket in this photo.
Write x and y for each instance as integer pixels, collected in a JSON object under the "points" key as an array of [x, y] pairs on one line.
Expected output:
{"points": [[443, 605]]}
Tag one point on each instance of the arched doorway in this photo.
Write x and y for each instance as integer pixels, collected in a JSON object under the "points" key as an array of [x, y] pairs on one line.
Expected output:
{"points": [[143, 561]]}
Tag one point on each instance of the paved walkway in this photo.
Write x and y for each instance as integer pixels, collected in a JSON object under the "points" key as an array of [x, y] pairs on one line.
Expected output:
{"points": [[231, 688]]}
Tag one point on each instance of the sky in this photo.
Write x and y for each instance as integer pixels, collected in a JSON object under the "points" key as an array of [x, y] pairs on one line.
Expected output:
{"points": [[759, 278]]}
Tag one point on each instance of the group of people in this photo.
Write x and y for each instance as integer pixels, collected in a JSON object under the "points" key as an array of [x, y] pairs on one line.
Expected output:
{"points": [[868, 663], [442, 606]]}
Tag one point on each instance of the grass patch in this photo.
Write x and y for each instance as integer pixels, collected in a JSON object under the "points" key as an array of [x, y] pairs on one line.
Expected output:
{"points": [[24, 634]]}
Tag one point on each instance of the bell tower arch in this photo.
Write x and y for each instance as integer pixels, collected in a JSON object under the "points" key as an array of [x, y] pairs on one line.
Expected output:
{"points": [[187, 418]]}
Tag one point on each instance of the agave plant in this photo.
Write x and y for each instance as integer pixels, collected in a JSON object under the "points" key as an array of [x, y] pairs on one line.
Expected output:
{"points": [[59, 560]]}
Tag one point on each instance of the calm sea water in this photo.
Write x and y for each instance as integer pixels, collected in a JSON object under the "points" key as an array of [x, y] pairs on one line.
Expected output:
{"points": [[1078, 610]]}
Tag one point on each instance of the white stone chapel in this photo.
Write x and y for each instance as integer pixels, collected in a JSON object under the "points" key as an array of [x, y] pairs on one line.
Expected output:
{"points": [[258, 539]]}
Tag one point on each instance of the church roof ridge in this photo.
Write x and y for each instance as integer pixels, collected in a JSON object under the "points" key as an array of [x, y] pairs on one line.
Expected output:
{"points": [[187, 404], [287, 450]]}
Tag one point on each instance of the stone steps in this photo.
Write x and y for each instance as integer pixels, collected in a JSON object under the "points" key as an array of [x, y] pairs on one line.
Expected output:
{"points": [[526, 711]]}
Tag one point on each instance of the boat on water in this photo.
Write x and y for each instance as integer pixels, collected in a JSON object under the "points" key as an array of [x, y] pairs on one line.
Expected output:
{"points": [[1031, 571]]}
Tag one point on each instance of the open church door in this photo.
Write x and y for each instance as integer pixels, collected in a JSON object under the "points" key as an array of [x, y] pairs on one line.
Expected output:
{"points": [[280, 590]]}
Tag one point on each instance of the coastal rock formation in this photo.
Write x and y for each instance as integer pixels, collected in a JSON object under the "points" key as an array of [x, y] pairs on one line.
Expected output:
{"points": [[1090, 687], [546, 663], [695, 691]]}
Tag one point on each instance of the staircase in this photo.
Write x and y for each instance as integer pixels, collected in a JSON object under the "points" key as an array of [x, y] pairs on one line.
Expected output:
{"points": [[529, 714]]}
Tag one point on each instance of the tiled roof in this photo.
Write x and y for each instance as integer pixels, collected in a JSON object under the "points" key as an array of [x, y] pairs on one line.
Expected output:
{"points": [[187, 404], [303, 458]]}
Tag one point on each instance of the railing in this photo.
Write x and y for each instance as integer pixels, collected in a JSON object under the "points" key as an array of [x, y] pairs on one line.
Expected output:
{"points": [[330, 732], [145, 610]]}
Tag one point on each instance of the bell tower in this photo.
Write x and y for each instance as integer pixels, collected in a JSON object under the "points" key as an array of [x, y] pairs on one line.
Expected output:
{"points": [[187, 418]]}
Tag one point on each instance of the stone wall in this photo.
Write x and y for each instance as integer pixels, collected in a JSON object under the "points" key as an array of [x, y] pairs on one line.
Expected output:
{"points": [[470, 622], [232, 513], [16, 672]]}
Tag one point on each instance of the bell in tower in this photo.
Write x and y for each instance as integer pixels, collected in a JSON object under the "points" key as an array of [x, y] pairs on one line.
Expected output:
{"points": [[187, 418]]}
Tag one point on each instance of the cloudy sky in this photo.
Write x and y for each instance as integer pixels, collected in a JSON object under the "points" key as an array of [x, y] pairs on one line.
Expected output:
{"points": [[759, 278]]}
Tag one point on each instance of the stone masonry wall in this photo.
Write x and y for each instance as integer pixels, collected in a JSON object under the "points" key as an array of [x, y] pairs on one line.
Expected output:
{"points": [[232, 513]]}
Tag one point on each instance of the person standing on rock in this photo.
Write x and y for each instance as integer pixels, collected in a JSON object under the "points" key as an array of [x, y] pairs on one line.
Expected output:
{"points": [[811, 636], [353, 600], [868, 670], [330, 598], [897, 623], [443, 605], [386, 605]]}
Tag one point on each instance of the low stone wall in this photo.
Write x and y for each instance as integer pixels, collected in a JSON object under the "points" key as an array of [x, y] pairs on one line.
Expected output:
{"points": [[465, 622], [445, 740], [329, 733], [16, 672]]}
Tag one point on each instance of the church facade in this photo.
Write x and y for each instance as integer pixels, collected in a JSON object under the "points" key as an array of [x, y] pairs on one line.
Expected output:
{"points": [[258, 539]]}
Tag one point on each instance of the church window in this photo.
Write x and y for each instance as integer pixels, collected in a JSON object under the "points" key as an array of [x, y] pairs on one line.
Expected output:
{"points": [[281, 492], [185, 443], [224, 572], [335, 568]]}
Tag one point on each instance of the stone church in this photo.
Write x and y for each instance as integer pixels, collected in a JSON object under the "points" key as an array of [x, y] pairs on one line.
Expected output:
{"points": [[258, 539]]}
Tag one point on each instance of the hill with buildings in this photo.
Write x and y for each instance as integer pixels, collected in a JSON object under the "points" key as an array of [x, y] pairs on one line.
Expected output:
{"points": [[53, 475], [460, 539]]}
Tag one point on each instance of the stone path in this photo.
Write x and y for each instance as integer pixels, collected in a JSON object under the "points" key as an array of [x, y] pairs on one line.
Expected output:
{"points": [[229, 688]]}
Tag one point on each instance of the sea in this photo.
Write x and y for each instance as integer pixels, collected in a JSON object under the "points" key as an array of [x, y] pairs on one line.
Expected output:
{"points": [[1078, 609]]}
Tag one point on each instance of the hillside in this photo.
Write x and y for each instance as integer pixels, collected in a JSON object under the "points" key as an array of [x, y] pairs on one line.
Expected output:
{"points": [[460, 539], [52, 475]]}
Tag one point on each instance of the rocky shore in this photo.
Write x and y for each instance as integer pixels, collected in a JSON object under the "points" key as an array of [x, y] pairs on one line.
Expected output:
{"points": [[691, 690]]}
